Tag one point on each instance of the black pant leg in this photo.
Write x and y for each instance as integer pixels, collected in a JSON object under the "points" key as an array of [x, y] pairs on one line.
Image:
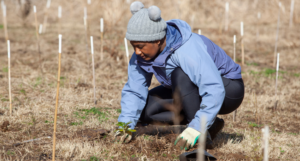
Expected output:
{"points": [[188, 92], [234, 89], [155, 109]]}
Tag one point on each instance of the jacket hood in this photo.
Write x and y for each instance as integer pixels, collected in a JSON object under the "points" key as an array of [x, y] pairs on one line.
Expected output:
{"points": [[181, 26]]}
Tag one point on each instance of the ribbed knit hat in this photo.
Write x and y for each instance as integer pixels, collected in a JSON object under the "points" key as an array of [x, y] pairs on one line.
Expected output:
{"points": [[145, 24]]}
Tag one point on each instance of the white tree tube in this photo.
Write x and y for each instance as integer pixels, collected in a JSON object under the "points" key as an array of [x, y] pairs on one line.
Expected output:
{"points": [[41, 29], [242, 28], [59, 40], [59, 11], [101, 25], [8, 48]]}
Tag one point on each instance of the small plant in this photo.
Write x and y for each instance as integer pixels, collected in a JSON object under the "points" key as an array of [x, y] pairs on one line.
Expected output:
{"points": [[93, 158], [10, 153], [38, 81], [23, 91], [281, 150], [124, 127], [119, 110], [5, 69], [296, 75], [253, 124], [76, 123]]}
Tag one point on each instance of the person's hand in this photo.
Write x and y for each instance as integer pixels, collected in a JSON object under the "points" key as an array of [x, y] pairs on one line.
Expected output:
{"points": [[187, 138], [124, 133]]}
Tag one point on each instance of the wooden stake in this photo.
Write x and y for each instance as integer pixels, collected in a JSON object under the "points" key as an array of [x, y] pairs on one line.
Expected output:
{"points": [[226, 15], [126, 48], [4, 20], [93, 63], [46, 16], [101, 31], [277, 68], [292, 12], [266, 136], [57, 95], [199, 32], [242, 43], [277, 34], [9, 78], [59, 19], [37, 36], [202, 140], [234, 42]]}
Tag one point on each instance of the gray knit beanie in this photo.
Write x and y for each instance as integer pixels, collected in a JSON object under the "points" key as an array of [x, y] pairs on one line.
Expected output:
{"points": [[145, 24]]}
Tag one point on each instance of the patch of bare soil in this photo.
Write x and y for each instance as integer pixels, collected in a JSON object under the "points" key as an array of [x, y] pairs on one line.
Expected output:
{"points": [[91, 134], [82, 85], [4, 126]]}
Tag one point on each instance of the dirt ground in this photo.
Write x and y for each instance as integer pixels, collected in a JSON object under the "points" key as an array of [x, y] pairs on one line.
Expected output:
{"points": [[84, 130]]}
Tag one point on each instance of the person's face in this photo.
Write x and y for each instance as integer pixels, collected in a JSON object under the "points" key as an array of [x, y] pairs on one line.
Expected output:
{"points": [[146, 50]]}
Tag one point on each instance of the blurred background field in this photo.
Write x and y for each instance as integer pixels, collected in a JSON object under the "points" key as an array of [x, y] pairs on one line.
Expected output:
{"points": [[33, 90]]}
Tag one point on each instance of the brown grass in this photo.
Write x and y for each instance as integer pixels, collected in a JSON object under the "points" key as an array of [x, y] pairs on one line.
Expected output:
{"points": [[34, 92]]}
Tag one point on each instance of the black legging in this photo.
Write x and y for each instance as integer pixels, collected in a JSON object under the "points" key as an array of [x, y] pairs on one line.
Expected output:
{"points": [[156, 111]]}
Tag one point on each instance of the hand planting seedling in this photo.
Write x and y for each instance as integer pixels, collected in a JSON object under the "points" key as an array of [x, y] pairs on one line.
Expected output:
{"points": [[124, 133]]}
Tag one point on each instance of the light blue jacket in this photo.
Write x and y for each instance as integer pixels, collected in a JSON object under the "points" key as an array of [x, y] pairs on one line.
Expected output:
{"points": [[202, 60]]}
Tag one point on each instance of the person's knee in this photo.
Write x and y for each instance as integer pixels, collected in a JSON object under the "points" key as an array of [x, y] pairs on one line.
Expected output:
{"points": [[181, 81], [179, 76]]}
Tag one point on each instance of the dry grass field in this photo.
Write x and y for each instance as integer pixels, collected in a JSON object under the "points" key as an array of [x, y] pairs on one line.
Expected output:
{"points": [[79, 120]]}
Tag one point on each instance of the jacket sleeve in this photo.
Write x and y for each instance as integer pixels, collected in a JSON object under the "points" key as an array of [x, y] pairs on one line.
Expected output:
{"points": [[202, 71], [134, 93]]}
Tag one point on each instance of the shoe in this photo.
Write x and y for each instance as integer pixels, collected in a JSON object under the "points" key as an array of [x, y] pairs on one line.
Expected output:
{"points": [[216, 127], [192, 156]]}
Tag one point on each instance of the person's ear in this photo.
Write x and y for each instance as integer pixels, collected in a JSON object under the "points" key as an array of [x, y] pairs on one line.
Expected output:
{"points": [[158, 42]]}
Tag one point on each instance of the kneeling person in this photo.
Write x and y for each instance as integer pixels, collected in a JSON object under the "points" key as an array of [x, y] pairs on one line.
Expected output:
{"points": [[206, 79]]}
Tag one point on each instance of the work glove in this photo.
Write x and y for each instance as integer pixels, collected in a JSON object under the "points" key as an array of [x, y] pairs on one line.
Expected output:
{"points": [[188, 138], [124, 133]]}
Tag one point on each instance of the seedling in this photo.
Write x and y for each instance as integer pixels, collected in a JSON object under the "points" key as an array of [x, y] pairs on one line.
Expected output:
{"points": [[124, 127]]}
